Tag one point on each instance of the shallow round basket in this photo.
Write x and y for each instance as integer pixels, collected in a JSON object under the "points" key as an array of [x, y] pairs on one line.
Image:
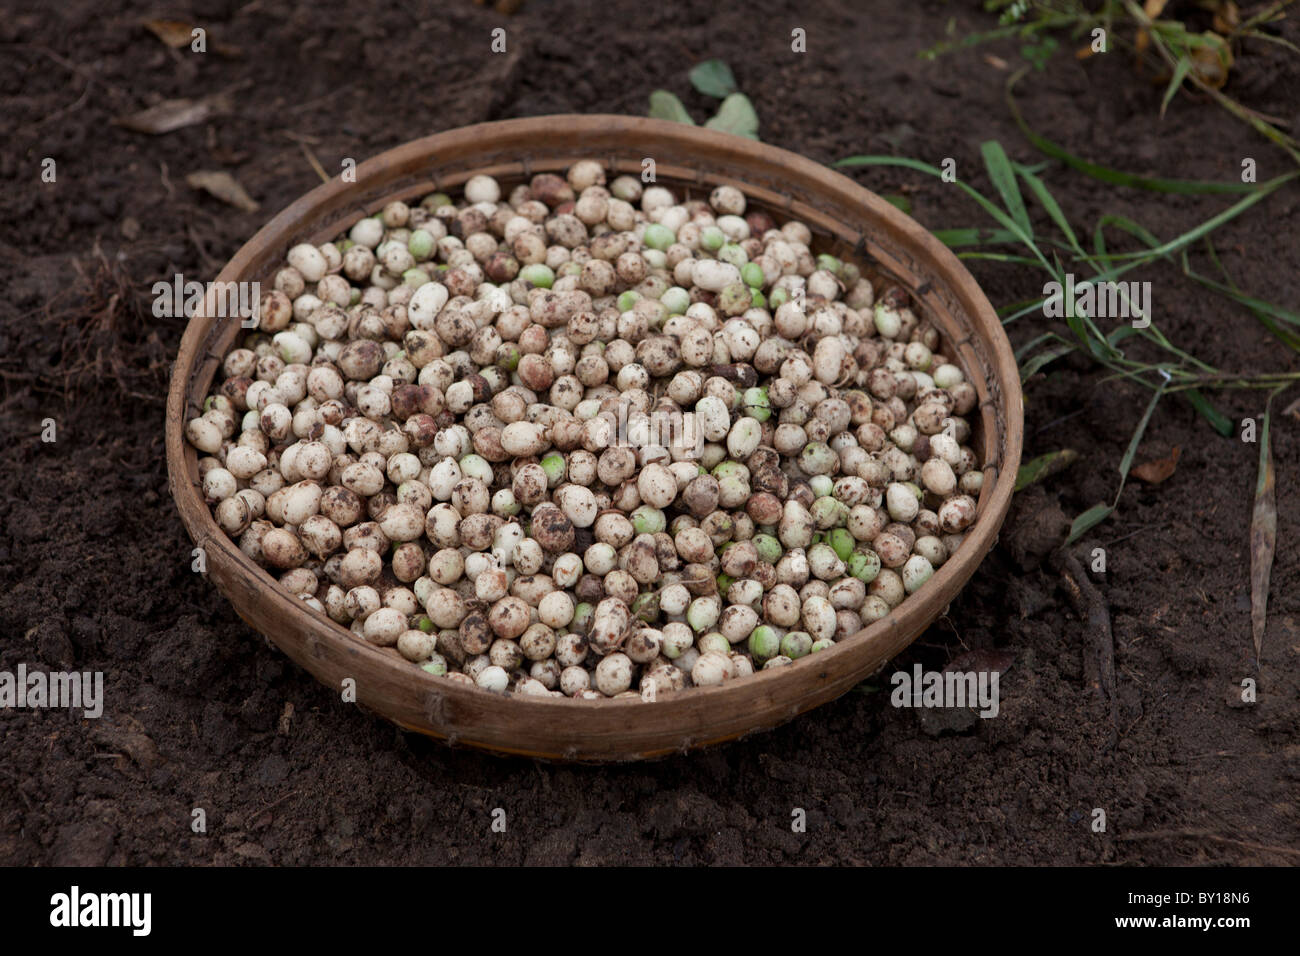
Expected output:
{"points": [[845, 218]]}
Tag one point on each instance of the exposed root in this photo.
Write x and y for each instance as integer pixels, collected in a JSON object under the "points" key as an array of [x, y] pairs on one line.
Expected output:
{"points": [[96, 337], [1099, 658]]}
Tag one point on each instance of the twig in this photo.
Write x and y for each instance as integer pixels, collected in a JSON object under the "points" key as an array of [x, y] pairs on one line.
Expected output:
{"points": [[315, 163], [275, 803], [75, 105], [332, 95], [89, 75], [1099, 661], [301, 137]]}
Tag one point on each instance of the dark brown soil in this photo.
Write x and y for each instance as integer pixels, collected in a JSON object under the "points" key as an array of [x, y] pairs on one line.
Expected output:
{"points": [[203, 713]]}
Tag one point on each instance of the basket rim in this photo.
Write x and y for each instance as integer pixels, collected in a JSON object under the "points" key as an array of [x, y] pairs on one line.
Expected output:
{"points": [[288, 226]]}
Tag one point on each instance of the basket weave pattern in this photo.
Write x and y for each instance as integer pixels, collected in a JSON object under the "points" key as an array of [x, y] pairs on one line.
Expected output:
{"points": [[845, 219]]}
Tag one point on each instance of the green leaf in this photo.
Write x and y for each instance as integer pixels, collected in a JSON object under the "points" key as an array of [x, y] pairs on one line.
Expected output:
{"points": [[736, 116], [1004, 179], [713, 78], [1181, 69], [1045, 466], [666, 106], [1087, 521]]}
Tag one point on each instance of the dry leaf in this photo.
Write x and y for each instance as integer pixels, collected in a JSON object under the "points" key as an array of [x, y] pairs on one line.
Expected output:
{"points": [[1212, 63], [222, 185], [179, 34], [175, 114], [1263, 539], [127, 736], [1227, 17], [1159, 469], [174, 33]]}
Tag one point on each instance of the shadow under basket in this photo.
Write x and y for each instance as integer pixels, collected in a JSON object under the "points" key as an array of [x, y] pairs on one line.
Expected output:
{"points": [[846, 220]]}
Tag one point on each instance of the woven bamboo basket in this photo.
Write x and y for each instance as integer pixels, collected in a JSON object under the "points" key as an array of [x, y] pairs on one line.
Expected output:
{"points": [[846, 219]]}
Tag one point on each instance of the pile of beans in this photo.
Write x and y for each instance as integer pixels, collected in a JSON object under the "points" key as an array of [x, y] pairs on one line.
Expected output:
{"points": [[589, 438]]}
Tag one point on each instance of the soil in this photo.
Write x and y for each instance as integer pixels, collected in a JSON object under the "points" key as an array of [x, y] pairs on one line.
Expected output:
{"points": [[201, 712]]}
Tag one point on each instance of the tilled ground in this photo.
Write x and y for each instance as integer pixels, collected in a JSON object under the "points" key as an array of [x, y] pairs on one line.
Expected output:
{"points": [[201, 712]]}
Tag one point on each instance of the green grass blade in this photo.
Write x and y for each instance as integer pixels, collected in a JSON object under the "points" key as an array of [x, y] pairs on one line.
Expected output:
{"points": [[1033, 343], [1265, 312], [1087, 521], [1120, 333], [1211, 224], [1043, 359], [973, 39], [1004, 180], [1220, 422], [988, 206], [1044, 466], [1034, 306], [973, 236], [999, 257], [1180, 73], [877, 160], [1115, 177], [1127, 461], [1133, 228], [1098, 513], [1051, 207]]}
